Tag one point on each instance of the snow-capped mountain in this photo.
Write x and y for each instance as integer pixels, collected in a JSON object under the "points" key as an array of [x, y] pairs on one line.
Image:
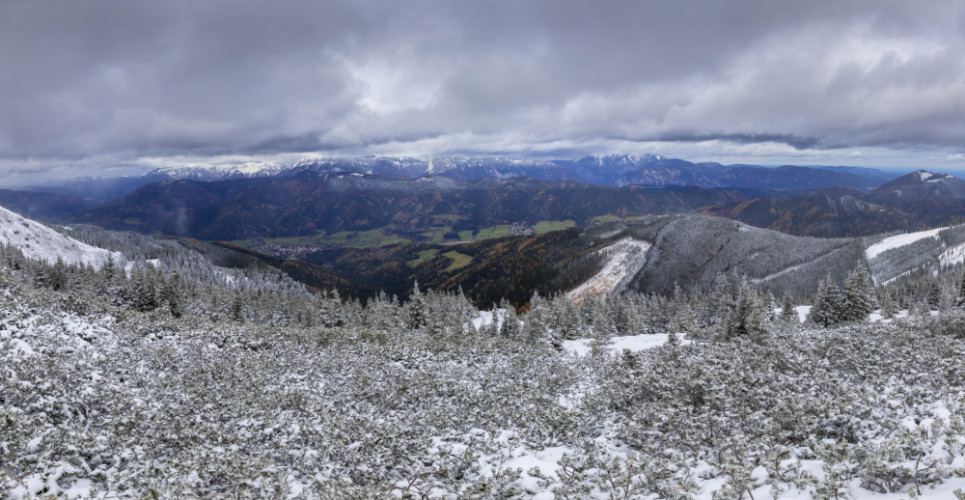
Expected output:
{"points": [[382, 166], [217, 172], [38, 241]]}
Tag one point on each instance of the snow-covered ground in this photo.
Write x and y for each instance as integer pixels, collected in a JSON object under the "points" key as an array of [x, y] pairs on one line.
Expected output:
{"points": [[952, 256], [633, 343], [485, 318], [624, 259], [38, 241], [876, 317], [899, 241]]}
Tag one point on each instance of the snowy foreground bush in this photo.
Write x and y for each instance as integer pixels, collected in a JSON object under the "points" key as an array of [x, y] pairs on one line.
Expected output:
{"points": [[110, 403]]}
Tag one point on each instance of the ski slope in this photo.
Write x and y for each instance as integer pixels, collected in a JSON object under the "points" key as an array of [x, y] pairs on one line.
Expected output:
{"points": [[40, 242]]}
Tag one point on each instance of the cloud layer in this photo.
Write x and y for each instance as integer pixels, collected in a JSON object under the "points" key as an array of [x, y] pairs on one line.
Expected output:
{"points": [[115, 83]]}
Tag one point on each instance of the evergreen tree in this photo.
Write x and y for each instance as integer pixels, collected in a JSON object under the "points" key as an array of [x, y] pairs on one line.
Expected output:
{"points": [[934, 297], [858, 296], [747, 316], [827, 308], [788, 313], [171, 294], [602, 326], [888, 305], [144, 293], [960, 300], [568, 324], [511, 328], [414, 310], [237, 312]]}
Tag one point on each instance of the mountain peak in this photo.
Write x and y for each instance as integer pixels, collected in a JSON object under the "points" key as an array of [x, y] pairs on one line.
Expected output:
{"points": [[916, 179], [926, 176]]}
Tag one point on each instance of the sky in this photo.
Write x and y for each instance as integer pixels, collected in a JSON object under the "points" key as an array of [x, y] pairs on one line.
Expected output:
{"points": [[121, 87]]}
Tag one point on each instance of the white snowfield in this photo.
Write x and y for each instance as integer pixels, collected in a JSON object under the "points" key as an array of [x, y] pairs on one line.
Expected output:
{"points": [[899, 241], [632, 343], [624, 259], [38, 241]]}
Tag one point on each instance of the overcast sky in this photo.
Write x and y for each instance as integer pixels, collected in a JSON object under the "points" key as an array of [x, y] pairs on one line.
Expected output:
{"points": [[107, 87]]}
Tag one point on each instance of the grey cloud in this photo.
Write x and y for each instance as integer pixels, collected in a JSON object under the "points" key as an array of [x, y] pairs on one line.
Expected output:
{"points": [[126, 80]]}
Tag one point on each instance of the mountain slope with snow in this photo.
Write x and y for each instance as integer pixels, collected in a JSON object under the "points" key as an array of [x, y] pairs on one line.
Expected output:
{"points": [[898, 241], [38, 241], [901, 254], [624, 259]]}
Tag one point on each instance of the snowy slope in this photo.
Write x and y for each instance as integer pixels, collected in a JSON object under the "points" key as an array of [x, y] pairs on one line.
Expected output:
{"points": [[900, 241], [953, 256], [624, 259], [38, 241]]}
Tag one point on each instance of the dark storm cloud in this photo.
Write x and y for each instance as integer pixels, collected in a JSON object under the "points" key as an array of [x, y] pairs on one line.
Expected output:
{"points": [[114, 81]]}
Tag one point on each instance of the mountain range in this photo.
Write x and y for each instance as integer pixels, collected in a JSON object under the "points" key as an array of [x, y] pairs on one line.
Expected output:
{"points": [[326, 202], [610, 170], [309, 203], [917, 200]]}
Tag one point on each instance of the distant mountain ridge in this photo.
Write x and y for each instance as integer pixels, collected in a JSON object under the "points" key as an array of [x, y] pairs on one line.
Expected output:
{"points": [[607, 170], [309, 203], [610, 170], [917, 200]]}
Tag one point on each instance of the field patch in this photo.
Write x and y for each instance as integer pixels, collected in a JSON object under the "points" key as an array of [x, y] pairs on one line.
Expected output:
{"points": [[552, 225], [459, 260]]}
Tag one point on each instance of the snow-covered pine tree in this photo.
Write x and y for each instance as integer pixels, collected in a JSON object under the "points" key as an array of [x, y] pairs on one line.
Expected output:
{"points": [[414, 310], [960, 300], [826, 310], [510, 328], [171, 294], [788, 313], [858, 296], [746, 317]]}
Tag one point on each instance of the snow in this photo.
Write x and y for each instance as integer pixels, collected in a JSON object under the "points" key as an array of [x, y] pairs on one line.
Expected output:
{"points": [[546, 461], [877, 317], [38, 241], [632, 343], [624, 259], [485, 318], [899, 241], [802, 312], [953, 256], [923, 175], [201, 171]]}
